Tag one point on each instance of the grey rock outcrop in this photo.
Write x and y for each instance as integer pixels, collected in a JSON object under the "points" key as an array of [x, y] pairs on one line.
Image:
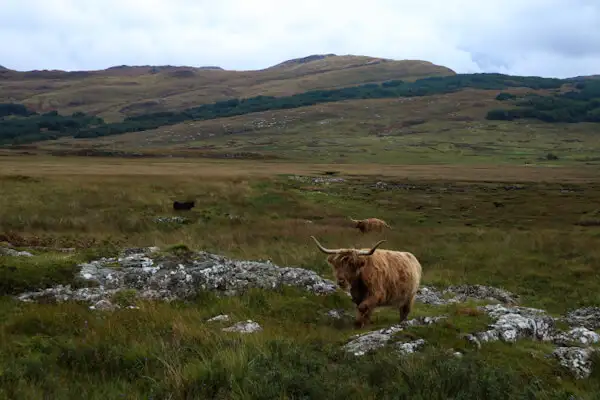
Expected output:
{"points": [[463, 293], [512, 323], [410, 347], [580, 335], [168, 277], [338, 314], [219, 318], [151, 274], [362, 344], [172, 220], [103, 305], [6, 251], [248, 326], [575, 359], [588, 317]]}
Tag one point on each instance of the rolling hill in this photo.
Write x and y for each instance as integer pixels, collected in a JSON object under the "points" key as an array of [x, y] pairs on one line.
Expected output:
{"points": [[122, 91], [320, 108]]}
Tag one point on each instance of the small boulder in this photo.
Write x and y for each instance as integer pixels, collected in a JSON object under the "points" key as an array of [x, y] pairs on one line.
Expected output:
{"points": [[513, 323], [363, 343], [410, 347], [337, 314], [588, 317], [579, 335], [248, 326], [219, 318], [576, 359], [4, 251], [103, 305]]}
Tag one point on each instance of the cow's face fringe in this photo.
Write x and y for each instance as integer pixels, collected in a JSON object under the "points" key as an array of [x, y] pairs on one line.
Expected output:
{"points": [[346, 266]]}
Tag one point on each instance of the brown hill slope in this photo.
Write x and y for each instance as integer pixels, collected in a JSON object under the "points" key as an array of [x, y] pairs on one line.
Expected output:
{"points": [[445, 128], [128, 90]]}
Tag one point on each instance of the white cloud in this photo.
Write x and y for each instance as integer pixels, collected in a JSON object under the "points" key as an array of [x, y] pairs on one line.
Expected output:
{"points": [[534, 37]]}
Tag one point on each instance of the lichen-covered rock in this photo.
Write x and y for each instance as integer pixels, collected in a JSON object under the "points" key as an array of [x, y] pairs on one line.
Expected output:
{"points": [[463, 293], [338, 314], [219, 318], [363, 343], [62, 293], [103, 305], [481, 292], [579, 335], [248, 326], [512, 323], [172, 220], [318, 179], [427, 295], [410, 347], [5, 251], [168, 277], [576, 359], [588, 317]]}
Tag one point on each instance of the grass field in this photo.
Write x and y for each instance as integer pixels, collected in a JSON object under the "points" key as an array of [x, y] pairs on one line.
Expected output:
{"points": [[443, 129], [542, 245]]}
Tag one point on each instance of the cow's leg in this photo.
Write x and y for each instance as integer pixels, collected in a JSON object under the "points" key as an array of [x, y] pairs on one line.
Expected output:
{"points": [[406, 308], [365, 309], [358, 291]]}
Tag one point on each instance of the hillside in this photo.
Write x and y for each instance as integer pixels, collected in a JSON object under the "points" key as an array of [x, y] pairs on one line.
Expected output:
{"points": [[121, 91], [420, 130], [450, 118], [460, 118]]}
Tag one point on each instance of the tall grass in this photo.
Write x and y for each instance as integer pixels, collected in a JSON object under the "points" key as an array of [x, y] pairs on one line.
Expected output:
{"points": [[531, 246]]}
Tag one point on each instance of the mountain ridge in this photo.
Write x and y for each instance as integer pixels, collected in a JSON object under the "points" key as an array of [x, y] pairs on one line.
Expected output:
{"points": [[288, 62], [121, 91]]}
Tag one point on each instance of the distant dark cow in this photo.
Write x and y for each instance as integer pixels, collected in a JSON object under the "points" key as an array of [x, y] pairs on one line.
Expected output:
{"points": [[183, 205]]}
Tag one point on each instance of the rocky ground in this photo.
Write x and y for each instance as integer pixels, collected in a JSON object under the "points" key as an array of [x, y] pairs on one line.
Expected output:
{"points": [[148, 273]]}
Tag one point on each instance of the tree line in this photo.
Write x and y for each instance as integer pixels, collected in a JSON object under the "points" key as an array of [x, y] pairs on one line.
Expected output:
{"points": [[579, 105], [19, 125]]}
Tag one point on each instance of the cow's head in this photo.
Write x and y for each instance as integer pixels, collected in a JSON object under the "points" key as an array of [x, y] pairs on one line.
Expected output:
{"points": [[347, 263]]}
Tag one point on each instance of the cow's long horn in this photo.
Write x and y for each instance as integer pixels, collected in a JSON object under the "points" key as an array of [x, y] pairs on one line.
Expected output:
{"points": [[323, 249], [369, 252]]}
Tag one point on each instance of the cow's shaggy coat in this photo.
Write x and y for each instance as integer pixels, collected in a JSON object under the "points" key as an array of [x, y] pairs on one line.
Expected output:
{"points": [[376, 278], [370, 225]]}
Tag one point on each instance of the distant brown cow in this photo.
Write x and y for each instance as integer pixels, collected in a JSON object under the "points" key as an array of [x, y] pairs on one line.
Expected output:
{"points": [[376, 278], [370, 224]]}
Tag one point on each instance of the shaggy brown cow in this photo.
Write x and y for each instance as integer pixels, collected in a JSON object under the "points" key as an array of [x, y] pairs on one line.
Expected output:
{"points": [[370, 224], [382, 278]]}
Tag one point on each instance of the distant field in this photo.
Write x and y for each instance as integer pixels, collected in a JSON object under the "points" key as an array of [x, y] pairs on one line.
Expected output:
{"points": [[440, 129], [199, 168]]}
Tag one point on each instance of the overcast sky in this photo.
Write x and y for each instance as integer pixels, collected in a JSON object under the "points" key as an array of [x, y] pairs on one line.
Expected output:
{"points": [[559, 38]]}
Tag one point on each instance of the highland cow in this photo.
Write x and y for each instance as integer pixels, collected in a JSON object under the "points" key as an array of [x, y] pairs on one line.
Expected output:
{"points": [[370, 224], [376, 278], [183, 205]]}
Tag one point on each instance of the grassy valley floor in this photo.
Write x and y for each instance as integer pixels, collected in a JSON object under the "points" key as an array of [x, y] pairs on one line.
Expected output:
{"points": [[531, 230]]}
